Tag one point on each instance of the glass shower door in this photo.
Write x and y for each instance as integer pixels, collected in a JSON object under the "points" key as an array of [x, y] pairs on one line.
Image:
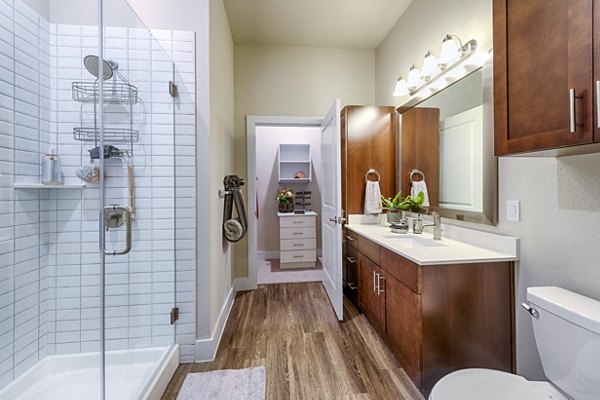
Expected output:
{"points": [[138, 199]]}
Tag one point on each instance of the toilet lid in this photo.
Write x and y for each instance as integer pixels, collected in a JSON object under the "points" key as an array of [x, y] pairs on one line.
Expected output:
{"points": [[477, 384]]}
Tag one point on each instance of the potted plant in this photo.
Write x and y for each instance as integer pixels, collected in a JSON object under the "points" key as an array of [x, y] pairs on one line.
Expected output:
{"points": [[397, 205], [285, 197], [394, 208]]}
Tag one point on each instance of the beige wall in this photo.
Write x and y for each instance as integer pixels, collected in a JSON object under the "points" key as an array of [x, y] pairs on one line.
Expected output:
{"points": [[560, 211], [294, 81]]}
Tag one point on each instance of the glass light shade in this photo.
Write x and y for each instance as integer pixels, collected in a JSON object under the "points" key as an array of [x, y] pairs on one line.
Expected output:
{"points": [[401, 88], [430, 68], [450, 52], [414, 78]]}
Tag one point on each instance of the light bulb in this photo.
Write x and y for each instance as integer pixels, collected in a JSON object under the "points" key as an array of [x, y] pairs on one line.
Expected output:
{"points": [[401, 88], [414, 78], [430, 68], [450, 52]]}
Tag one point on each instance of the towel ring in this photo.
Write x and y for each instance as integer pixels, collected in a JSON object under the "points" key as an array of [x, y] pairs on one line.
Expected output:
{"points": [[416, 172], [372, 171]]}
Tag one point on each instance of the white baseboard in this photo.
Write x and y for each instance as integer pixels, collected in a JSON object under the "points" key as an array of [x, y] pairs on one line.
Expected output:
{"points": [[242, 284], [206, 349]]}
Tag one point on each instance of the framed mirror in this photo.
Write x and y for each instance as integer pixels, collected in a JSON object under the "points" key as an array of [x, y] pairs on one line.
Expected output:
{"points": [[446, 140]]}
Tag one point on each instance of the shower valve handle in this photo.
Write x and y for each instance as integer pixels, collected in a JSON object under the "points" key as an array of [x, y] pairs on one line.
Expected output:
{"points": [[114, 213]]}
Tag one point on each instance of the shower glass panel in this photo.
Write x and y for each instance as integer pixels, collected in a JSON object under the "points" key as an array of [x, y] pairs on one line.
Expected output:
{"points": [[138, 200]]}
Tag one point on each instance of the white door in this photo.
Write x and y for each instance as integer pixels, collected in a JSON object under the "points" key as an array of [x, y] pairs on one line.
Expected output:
{"points": [[331, 208]]}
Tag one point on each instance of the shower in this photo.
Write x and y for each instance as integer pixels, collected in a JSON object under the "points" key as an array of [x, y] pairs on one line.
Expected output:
{"points": [[91, 283]]}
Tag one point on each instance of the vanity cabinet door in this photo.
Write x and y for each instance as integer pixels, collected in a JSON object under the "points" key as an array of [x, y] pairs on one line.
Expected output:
{"points": [[403, 327], [369, 297], [542, 50]]}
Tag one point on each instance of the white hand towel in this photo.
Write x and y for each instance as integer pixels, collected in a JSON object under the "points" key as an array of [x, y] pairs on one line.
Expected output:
{"points": [[420, 186], [372, 198]]}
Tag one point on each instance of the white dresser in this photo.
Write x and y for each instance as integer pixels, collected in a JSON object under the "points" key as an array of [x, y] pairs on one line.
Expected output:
{"points": [[298, 240]]}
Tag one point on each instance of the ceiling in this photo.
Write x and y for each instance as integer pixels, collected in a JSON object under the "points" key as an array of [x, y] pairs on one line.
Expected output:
{"points": [[323, 23]]}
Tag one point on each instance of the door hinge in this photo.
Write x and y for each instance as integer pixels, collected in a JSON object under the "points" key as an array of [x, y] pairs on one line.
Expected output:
{"points": [[174, 315], [173, 89]]}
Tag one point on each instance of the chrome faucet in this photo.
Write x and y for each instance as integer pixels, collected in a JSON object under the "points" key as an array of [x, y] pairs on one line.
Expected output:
{"points": [[437, 226]]}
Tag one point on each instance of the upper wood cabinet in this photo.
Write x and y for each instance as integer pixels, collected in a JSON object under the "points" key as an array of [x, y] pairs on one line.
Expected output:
{"points": [[543, 74], [368, 141]]}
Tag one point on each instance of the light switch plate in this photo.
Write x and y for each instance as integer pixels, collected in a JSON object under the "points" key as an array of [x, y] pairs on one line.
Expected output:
{"points": [[513, 210]]}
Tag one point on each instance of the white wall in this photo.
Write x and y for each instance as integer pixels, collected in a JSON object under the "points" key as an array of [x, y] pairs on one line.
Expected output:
{"points": [[268, 139], [560, 210], [294, 81]]}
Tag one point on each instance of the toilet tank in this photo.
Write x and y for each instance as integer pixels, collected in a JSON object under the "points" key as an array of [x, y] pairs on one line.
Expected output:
{"points": [[567, 333]]}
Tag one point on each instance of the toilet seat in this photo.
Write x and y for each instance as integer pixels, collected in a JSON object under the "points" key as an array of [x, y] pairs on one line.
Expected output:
{"points": [[488, 384]]}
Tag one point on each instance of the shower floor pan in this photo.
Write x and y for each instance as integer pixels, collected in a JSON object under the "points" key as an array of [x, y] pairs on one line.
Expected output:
{"points": [[130, 375]]}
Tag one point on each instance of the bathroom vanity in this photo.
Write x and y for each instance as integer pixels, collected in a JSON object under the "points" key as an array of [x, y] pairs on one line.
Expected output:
{"points": [[439, 305]]}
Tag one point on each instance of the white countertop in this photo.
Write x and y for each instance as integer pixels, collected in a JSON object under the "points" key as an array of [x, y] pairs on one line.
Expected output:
{"points": [[423, 250], [291, 214]]}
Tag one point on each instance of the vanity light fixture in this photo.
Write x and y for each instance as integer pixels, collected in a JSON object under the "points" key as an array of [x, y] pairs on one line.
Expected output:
{"points": [[454, 57], [401, 88], [451, 51], [430, 67], [414, 78]]}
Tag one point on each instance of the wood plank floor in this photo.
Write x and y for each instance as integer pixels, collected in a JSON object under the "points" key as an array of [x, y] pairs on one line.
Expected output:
{"points": [[292, 330]]}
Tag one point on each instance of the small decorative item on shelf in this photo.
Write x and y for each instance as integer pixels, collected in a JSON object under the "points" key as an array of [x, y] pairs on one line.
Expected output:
{"points": [[285, 197], [299, 175]]}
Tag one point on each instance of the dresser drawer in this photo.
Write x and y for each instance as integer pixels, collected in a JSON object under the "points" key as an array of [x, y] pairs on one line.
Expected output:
{"points": [[298, 244], [297, 233], [297, 222], [295, 256]]}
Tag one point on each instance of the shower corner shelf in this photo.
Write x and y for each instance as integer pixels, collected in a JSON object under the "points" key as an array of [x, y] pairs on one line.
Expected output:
{"points": [[113, 92], [112, 135], [27, 185]]}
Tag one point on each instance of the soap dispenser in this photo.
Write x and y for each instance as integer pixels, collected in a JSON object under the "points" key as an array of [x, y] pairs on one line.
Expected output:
{"points": [[51, 168]]}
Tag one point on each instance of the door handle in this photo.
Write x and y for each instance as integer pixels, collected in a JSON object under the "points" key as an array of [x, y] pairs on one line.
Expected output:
{"points": [[374, 282], [573, 124], [379, 289], [115, 213]]}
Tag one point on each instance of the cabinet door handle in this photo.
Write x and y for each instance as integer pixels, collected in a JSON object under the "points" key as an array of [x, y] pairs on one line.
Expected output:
{"points": [[377, 283], [598, 104], [351, 260], [374, 281], [350, 238], [573, 111], [379, 289]]}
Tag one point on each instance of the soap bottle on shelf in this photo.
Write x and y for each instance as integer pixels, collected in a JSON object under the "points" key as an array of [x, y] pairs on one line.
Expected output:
{"points": [[51, 168]]}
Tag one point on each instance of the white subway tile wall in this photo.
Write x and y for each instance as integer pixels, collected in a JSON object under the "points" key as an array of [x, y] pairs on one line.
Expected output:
{"points": [[49, 256]]}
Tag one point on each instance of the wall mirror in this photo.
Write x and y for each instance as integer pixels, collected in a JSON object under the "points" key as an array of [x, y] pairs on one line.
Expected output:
{"points": [[447, 136]]}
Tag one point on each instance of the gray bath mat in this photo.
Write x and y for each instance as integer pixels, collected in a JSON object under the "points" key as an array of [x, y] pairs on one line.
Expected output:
{"points": [[224, 384]]}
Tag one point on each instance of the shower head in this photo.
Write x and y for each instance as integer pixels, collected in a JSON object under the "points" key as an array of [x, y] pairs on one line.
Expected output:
{"points": [[91, 64]]}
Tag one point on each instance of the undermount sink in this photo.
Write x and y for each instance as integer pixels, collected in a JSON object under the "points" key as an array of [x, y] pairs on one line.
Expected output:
{"points": [[413, 242]]}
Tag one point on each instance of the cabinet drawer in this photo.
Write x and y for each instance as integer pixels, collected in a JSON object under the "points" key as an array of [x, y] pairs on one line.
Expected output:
{"points": [[294, 256], [298, 244], [293, 222], [400, 268], [297, 233], [351, 238], [369, 249]]}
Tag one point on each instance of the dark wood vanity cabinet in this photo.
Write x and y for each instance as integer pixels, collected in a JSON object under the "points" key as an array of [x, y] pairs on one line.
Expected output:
{"points": [[437, 319], [368, 141], [543, 49]]}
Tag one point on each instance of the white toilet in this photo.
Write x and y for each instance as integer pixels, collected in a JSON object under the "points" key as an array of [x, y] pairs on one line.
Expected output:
{"points": [[567, 332]]}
